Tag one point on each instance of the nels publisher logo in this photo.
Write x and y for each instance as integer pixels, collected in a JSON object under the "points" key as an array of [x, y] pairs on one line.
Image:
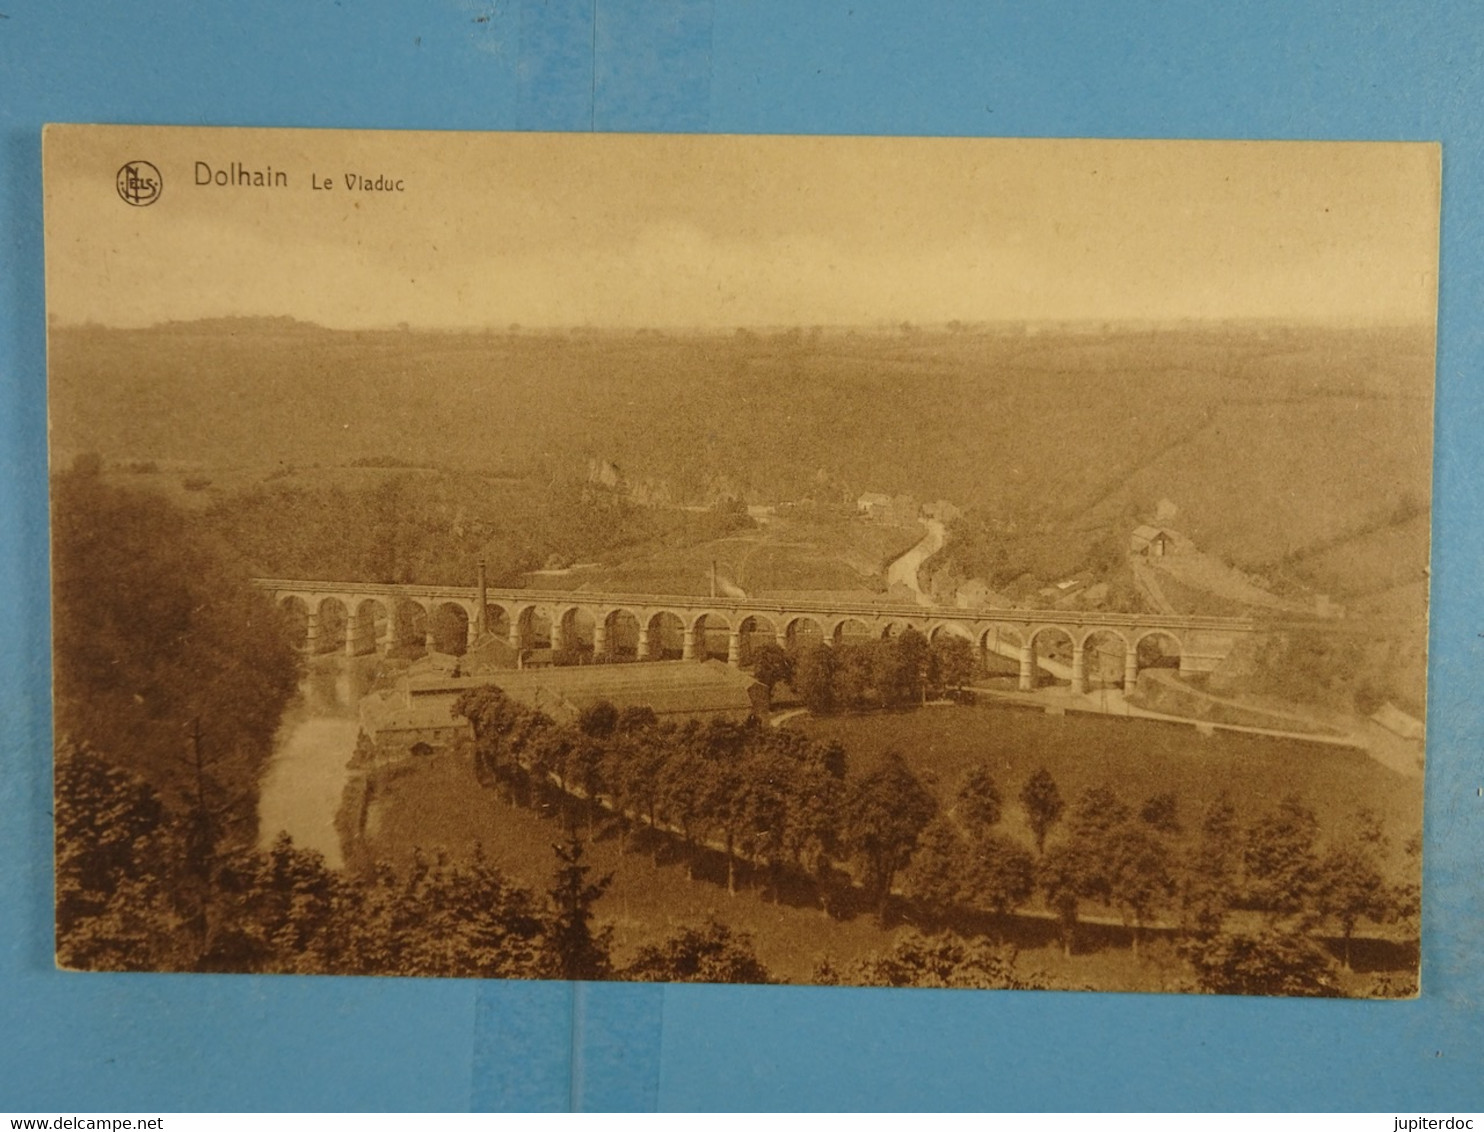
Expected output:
{"points": [[139, 183]]}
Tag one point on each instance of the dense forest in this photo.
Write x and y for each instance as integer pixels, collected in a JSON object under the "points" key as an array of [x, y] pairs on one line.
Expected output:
{"points": [[433, 529], [165, 655]]}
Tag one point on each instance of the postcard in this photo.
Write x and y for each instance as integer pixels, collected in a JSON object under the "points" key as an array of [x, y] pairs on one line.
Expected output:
{"points": [[922, 562]]}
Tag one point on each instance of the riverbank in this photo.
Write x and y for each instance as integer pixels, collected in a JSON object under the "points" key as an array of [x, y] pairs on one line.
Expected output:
{"points": [[303, 784]]}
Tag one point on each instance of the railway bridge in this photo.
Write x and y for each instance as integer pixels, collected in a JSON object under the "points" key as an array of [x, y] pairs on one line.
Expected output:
{"points": [[363, 617]]}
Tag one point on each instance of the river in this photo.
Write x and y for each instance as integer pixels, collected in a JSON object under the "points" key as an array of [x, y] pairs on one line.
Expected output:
{"points": [[305, 777]]}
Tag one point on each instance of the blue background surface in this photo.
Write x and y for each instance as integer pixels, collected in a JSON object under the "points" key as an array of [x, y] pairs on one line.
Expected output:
{"points": [[1363, 70]]}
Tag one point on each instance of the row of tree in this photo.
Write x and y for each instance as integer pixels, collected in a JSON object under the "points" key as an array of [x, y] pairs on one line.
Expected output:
{"points": [[858, 676], [784, 805], [135, 892], [769, 797], [1142, 863]]}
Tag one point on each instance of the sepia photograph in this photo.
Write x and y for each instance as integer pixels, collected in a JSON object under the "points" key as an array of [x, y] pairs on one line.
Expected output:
{"points": [[848, 561]]}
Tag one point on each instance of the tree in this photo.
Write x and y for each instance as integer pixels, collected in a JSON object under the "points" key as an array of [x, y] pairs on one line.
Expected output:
{"points": [[936, 874], [725, 784], [1312, 665], [811, 831], [636, 719], [1139, 876], [979, 804], [491, 715], [1097, 810], [767, 794], [118, 851], [904, 672], [445, 918], [814, 678], [211, 814], [547, 756], [1271, 962], [1043, 805], [632, 765], [1209, 883], [953, 661], [771, 666], [123, 901], [1060, 877], [154, 626], [581, 953], [1161, 812], [944, 960], [712, 953], [488, 710], [1117, 858], [999, 875], [885, 812], [1407, 896], [1280, 860], [529, 739], [598, 720], [853, 681], [1351, 882], [584, 773], [1096, 862], [282, 911], [684, 785]]}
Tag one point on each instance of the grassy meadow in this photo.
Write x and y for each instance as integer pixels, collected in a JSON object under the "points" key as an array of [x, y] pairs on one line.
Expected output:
{"points": [[1136, 758]]}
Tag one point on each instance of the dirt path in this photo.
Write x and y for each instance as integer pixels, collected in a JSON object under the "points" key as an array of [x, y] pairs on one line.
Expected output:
{"points": [[1149, 586]]}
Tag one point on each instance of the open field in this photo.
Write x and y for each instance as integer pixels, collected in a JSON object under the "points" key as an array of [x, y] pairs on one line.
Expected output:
{"points": [[1269, 440], [1373, 565]]}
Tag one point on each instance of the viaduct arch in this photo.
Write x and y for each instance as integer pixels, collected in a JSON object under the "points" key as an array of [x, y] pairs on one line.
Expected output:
{"points": [[362, 617]]}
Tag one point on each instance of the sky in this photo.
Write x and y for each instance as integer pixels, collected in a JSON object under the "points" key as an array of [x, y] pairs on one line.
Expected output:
{"points": [[490, 230]]}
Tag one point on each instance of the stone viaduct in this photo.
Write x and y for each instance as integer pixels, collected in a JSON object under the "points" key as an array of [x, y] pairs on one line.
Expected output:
{"points": [[362, 617]]}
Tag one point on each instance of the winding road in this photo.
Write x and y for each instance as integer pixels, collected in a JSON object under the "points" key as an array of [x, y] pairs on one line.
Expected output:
{"points": [[905, 568]]}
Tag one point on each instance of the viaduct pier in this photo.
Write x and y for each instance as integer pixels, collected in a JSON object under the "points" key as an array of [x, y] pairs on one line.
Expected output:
{"points": [[365, 617]]}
